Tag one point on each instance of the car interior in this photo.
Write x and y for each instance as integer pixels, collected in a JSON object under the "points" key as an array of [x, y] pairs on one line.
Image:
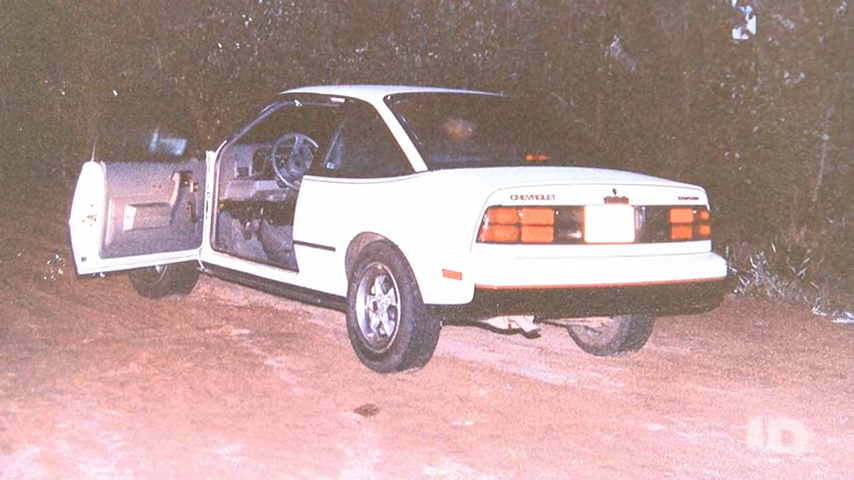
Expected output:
{"points": [[259, 175], [260, 172]]}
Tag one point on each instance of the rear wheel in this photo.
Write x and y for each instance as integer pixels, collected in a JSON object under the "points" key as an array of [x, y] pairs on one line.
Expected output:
{"points": [[613, 336], [389, 326], [162, 280]]}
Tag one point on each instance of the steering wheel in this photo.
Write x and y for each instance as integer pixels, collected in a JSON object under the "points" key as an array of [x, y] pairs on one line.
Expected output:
{"points": [[291, 157]]}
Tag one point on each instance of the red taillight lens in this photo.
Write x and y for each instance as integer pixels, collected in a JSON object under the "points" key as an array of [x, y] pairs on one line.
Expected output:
{"points": [[499, 234], [681, 215], [690, 223], [517, 225], [681, 232], [537, 234], [537, 216], [502, 216]]}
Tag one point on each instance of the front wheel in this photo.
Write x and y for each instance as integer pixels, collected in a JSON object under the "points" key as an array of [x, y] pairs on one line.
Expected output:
{"points": [[614, 336], [162, 280], [389, 326]]}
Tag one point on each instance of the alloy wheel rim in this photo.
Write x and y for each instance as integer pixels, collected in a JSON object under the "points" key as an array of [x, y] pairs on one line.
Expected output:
{"points": [[378, 307]]}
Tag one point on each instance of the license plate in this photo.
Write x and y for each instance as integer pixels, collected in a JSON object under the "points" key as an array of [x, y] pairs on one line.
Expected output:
{"points": [[609, 224]]}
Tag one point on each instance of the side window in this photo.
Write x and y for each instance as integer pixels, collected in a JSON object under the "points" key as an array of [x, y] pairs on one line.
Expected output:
{"points": [[147, 130], [364, 148], [299, 130], [154, 144]]}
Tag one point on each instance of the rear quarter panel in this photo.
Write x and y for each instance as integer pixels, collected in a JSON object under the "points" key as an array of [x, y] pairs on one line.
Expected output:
{"points": [[429, 218]]}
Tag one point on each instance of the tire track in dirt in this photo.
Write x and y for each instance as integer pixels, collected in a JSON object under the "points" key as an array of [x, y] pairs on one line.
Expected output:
{"points": [[230, 382], [554, 360]]}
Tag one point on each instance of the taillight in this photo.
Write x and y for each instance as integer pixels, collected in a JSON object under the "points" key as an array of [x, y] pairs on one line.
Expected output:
{"points": [[596, 224], [517, 225], [690, 223]]}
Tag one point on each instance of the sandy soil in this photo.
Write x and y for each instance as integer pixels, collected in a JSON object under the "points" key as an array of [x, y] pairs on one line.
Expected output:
{"points": [[227, 382]]}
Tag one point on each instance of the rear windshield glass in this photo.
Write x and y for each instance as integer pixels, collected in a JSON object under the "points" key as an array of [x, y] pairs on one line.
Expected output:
{"points": [[468, 130]]}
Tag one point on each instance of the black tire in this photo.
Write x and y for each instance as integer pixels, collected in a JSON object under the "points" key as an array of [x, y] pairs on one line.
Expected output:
{"points": [[618, 336], [395, 332], [162, 280]]}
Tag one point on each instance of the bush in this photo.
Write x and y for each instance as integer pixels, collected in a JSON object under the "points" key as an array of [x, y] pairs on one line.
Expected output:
{"points": [[786, 270]]}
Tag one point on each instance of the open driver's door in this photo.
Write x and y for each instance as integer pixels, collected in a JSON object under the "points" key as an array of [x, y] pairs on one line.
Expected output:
{"points": [[129, 215]]}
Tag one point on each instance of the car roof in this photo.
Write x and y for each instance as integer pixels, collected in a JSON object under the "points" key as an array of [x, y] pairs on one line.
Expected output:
{"points": [[373, 93]]}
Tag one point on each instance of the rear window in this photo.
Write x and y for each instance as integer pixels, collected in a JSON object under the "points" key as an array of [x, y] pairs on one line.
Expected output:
{"points": [[470, 130]]}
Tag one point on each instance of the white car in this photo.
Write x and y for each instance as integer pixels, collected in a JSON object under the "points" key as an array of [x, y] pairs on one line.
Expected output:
{"points": [[410, 208]]}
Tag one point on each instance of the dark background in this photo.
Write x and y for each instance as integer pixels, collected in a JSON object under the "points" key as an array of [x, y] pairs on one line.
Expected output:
{"points": [[663, 87]]}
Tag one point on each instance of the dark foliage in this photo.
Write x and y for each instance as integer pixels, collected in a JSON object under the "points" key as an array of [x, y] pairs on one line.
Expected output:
{"points": [[655, 86]]}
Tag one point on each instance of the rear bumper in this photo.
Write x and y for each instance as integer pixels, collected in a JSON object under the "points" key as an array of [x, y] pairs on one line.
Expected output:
{"points": [[655, 299], [594, 286], [509, 273]]}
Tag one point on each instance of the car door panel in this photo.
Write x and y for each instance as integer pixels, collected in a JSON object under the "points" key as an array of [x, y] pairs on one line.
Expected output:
{"points": [[151, 208], [127, 215]]}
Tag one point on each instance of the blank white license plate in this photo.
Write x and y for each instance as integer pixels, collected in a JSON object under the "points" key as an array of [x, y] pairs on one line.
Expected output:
{"points": [[609, 224]]}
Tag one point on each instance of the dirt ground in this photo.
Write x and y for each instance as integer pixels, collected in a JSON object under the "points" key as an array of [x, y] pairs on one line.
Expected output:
{"points": [[227, 382]]}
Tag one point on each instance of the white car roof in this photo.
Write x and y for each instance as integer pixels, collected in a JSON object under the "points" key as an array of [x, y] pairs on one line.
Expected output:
{"points": [[372, 93]]}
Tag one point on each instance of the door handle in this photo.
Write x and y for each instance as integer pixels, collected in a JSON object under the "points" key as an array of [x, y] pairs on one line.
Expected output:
{"points": [[185, 179]]}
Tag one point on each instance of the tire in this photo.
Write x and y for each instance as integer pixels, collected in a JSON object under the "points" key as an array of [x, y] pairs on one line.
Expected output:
{"points": [[620, 335], [162, 280], [390, 330]]}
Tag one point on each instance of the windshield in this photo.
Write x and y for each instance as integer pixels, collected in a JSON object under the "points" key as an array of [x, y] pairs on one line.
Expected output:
{"points": [[469, 130]]}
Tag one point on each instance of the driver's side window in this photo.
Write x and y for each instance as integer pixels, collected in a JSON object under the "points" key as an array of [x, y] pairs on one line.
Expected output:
{"points": [[292, 128]]}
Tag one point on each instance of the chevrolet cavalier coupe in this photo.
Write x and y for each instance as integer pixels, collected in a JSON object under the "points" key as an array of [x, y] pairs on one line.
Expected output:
{"points": [[409, 208]]}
